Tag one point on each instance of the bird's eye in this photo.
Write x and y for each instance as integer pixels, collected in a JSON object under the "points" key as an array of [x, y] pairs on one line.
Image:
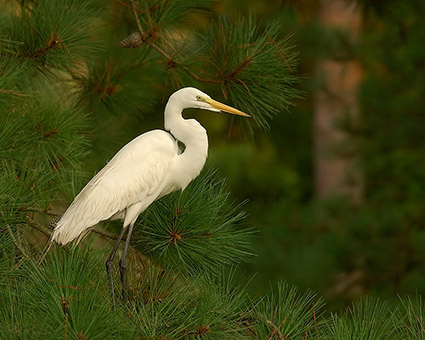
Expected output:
{"points": [[198, 98]]}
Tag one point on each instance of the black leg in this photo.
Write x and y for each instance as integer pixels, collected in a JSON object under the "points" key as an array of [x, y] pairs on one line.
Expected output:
{"points": [[123, 264], [110, 260]]}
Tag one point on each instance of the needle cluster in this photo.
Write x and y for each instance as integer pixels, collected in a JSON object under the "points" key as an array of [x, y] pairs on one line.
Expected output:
{"points": [[43, 135], [67, 297], [197, 230]]}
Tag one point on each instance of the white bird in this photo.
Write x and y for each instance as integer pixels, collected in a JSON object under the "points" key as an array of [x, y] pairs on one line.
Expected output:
{"points": [[146, 169]]}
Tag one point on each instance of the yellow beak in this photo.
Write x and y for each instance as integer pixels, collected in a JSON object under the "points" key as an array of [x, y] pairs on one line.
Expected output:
{"points": [[225, 108]]}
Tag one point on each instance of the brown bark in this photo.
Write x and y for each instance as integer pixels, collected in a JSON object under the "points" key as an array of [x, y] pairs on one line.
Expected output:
{"points": [[337, 168]]}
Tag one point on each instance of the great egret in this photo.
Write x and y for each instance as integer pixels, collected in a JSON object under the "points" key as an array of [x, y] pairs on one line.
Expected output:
{"points": [[147, 168]]}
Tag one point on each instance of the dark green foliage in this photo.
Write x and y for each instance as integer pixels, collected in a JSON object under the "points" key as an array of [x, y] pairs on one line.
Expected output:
{"points": [[238, 52], [286, 314], [394, 131], [6, 260], [63, 298], [369, 319], [49, 33], [197, 229], [71, 301], [229, 303], [412, 324], [67, 297], [168, 306], [56, 133], [57, 143], [42, 141], [11, 73], [113, 83], [159, 14]]}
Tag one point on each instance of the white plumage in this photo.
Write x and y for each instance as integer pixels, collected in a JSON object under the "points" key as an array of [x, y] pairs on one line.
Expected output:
{"points": [[126, 186], [147, 168]]}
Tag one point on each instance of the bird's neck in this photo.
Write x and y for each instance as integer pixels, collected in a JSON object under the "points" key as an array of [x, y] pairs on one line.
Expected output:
{"points": [[187, 131], [191, 133]]}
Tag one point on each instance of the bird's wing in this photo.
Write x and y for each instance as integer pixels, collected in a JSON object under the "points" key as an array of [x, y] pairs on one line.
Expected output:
{"points": [[133, 174]]}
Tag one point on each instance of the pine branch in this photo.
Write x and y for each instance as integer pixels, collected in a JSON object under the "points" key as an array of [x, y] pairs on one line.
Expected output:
{"points": [[16, 242], [275, 330], [197, 230], [49, 34], [111, 236], [14, 93], [43, 211], [54, 42], [171, 60], [295, 314]]}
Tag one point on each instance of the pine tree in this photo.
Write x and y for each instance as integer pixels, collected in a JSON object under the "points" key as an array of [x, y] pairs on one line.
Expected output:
{"points": [[66, 85]]}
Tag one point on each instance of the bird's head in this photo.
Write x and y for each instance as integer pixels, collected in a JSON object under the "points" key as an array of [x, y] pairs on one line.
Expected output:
{"points": [[191, 97]]}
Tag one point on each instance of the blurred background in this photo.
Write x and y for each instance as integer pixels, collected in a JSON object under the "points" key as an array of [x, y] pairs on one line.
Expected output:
{"points": [[336, 188]]}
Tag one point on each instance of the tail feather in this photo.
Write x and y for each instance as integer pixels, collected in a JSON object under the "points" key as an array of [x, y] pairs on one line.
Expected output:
{"points": [[81, 215], [73, 225], [67, 231]]}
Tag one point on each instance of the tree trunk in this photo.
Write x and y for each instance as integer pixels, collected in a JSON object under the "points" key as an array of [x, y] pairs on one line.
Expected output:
{"points": [[337, 168]]}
